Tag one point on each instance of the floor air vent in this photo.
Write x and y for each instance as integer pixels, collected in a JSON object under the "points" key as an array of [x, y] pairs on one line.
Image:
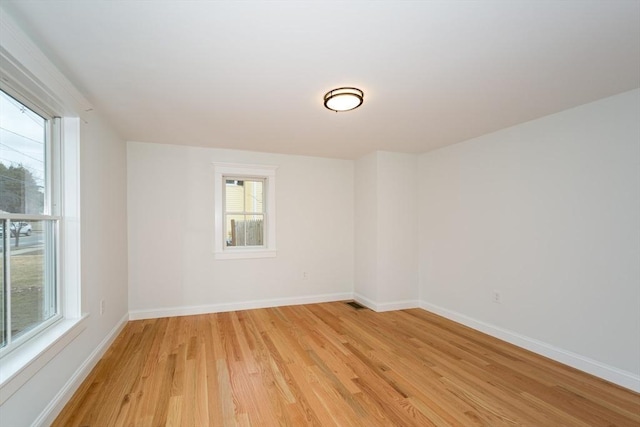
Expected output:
{"points": [[356, 305]]}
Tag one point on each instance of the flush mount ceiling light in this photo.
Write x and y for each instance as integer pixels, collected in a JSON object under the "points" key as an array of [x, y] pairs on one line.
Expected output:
{"points": [[343, 99]]}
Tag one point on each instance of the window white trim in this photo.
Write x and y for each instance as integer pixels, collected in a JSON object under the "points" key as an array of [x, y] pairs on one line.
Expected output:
{"points": [[28, 74], [20, 365], [255, 171], [69, 251], [24, 361]]}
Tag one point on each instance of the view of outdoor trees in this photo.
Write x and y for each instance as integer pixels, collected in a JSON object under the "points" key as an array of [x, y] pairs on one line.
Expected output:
{"points": [[19, 191]]}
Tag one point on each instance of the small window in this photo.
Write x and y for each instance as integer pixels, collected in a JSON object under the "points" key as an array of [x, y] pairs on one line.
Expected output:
{"points": [[245, 211]]}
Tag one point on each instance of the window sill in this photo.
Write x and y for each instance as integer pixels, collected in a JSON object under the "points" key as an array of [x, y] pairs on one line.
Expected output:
{"points": [[246, 254], [24, 362]]}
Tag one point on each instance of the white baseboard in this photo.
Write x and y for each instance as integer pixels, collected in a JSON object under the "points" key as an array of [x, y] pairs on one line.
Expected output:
{"points": [[387, 306], [234, 306], [617, 376], [53, 409]]}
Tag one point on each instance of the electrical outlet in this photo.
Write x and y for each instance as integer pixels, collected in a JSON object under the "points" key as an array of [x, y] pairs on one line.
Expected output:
{"points": [[102, 307], [497, 297]]}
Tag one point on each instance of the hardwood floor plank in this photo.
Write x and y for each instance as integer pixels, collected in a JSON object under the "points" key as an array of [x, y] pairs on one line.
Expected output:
{"points": [[225, 393], [332, 365], [166, 371], [212, 355]]}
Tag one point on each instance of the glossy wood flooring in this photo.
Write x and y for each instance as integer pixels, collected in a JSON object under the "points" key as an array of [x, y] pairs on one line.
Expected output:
{"points": [[329, 364]]}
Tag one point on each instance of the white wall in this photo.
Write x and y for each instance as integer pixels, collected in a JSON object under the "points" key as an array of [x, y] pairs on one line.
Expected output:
{"points": [[171, 233], [398, 225], [366, 229], [104, 218], [546, 213], [386, 229]]}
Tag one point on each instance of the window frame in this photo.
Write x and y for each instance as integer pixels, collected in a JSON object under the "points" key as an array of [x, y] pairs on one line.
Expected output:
{"points": [[21, 362], [50, 218], [246, 172], [228, 212]]}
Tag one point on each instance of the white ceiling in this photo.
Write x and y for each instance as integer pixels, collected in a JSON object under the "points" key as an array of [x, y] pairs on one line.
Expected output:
{"points": [[251, 75]]}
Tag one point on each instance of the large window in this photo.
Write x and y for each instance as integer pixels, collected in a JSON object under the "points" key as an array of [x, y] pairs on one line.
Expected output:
{"points": [[245, 211], [29, 300]]}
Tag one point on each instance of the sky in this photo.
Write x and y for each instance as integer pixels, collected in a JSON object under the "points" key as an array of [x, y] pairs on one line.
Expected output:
{"points": [[22, 137]]}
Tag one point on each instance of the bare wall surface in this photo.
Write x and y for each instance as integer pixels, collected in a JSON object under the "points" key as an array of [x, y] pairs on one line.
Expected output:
{"points": [[545, 214], [386, 229], [171, 231], [366, 227]]}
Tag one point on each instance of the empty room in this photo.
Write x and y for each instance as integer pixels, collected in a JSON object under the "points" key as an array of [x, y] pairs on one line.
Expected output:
{"points": [[319, 213]]}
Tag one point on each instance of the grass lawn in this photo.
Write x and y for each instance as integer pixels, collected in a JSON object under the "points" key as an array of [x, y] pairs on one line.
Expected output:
{"points": [[27, 278]]}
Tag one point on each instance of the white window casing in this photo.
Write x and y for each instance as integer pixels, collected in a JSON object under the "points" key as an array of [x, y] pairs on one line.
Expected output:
{"points": [[268, 173], [26, 74]]}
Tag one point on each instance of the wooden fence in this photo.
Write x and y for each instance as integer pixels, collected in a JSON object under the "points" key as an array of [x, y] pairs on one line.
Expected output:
{"points": [[247, 233]]}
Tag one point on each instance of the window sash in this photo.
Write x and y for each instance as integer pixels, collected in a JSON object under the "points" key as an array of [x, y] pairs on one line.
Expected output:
{"points": [[51, 304], [51, 220], [244, 214]]}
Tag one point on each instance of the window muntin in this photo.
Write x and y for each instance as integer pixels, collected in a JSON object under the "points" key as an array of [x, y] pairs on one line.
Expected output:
{"points": [[30, 291]]}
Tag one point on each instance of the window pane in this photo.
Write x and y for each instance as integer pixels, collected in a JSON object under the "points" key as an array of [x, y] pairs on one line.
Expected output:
{"points": [[245, 230], [234, 230], [254, 196], [32, 275], [22, 158], [234, 195], [244, 196], [254, 230]]}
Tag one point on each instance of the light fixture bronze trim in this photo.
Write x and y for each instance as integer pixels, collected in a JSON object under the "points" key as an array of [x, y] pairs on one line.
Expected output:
{"points": [[343, 99]]}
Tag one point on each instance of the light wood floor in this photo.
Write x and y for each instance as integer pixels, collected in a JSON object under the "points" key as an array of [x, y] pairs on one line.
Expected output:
{"points": [[329, 364]]}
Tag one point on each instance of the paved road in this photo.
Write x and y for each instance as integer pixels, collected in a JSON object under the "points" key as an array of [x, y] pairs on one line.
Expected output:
{"points": [[36, 239]]}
